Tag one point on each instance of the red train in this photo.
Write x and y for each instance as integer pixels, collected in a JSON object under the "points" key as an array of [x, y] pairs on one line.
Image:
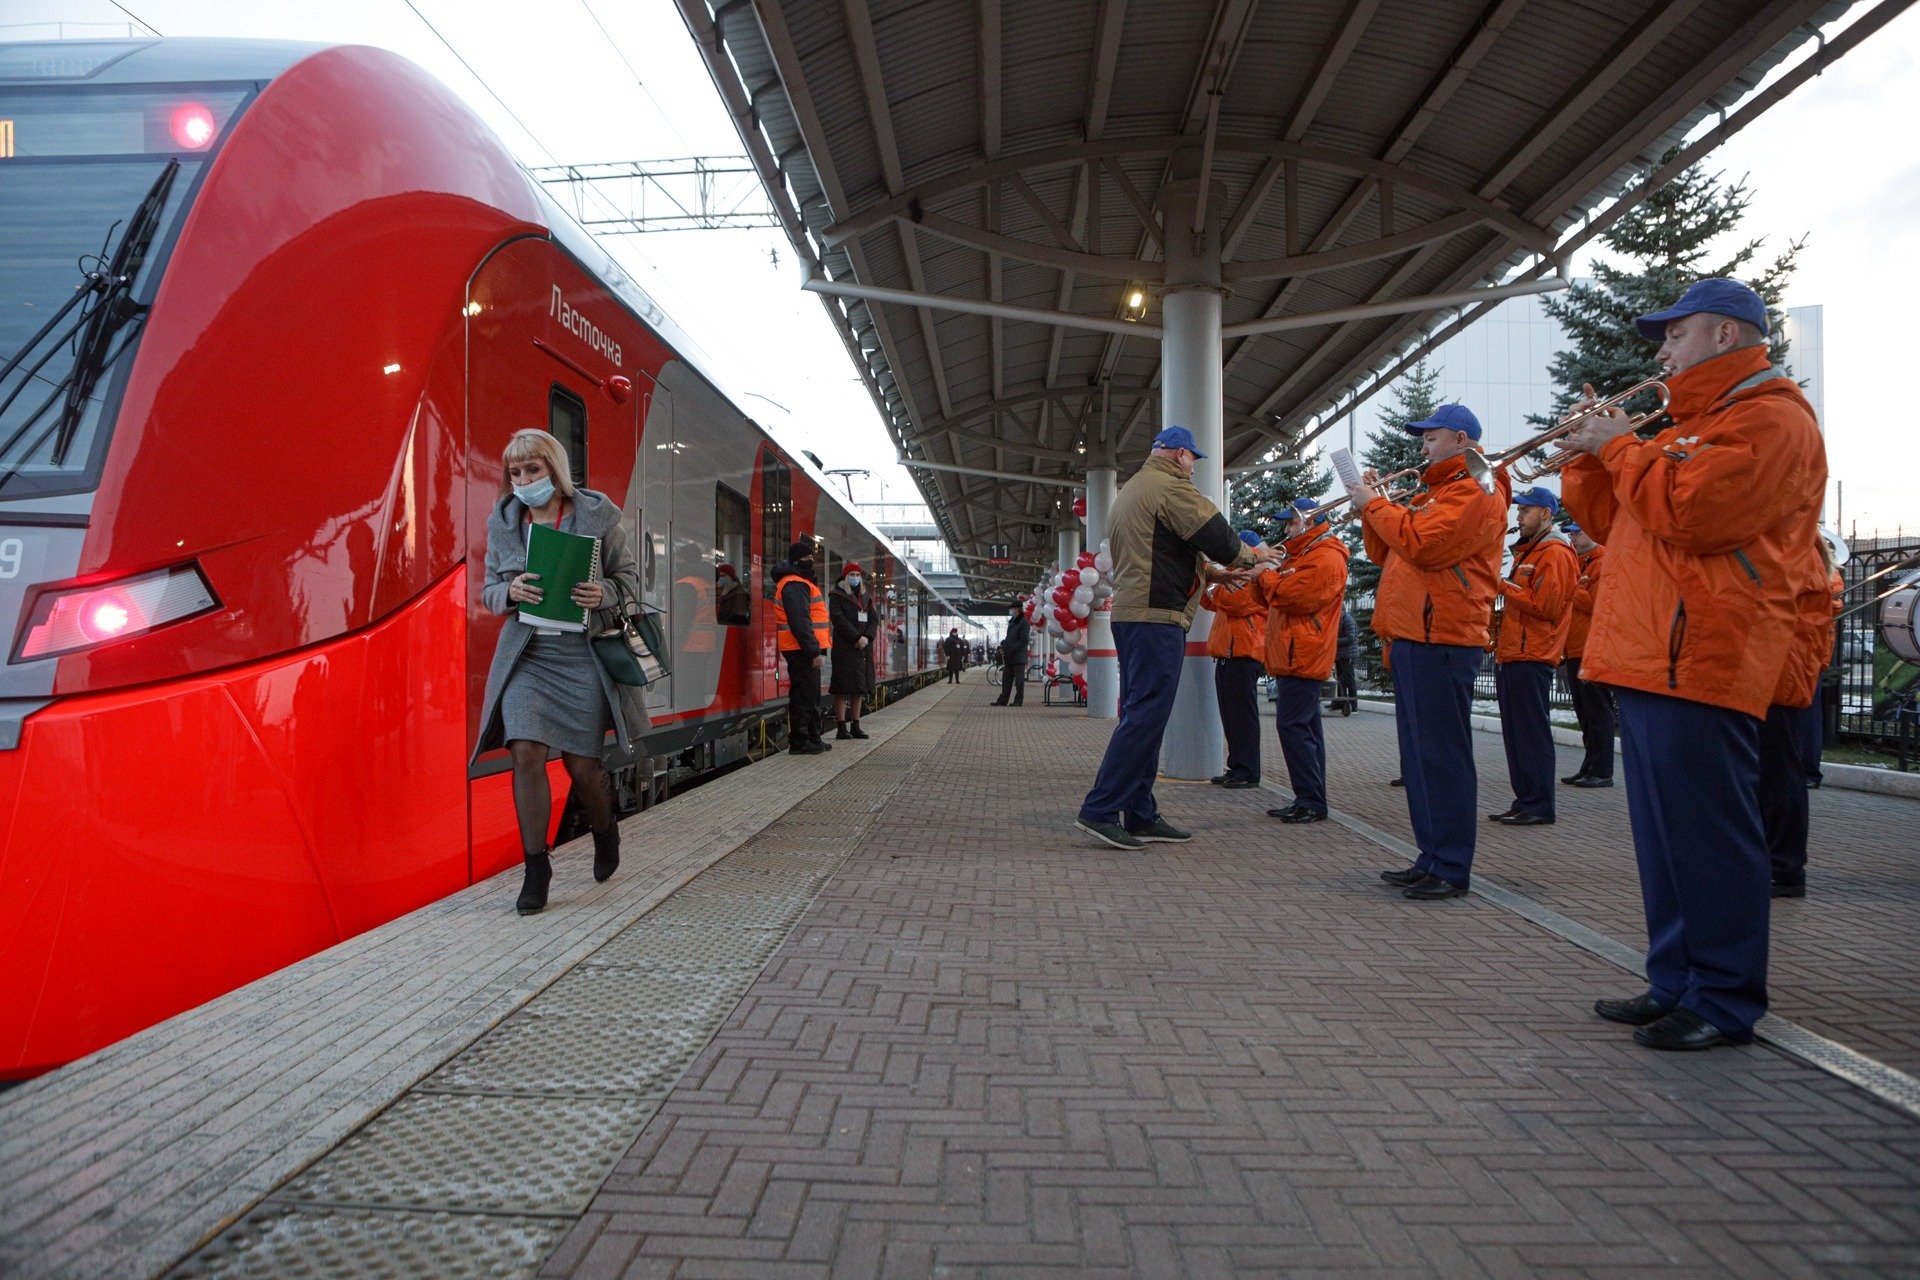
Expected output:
{"points": [[268, 314]]}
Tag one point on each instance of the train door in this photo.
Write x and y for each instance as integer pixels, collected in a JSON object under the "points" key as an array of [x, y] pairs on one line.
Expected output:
{"points": [[659, 446]]}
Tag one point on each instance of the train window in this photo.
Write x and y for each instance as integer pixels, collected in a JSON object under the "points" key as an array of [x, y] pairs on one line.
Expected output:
{"points": [[776, 512], [567, 420], [732, 526]]}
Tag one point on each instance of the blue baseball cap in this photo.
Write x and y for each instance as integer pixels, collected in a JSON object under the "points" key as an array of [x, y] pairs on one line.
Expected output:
{"points": [[1177, 438], [1454, 417], [1305, 506], [1571, 527], [1715, 297], [1538, 496], [1249, 537]]}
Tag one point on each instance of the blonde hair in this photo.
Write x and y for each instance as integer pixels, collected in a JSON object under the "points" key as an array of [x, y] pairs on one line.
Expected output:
{"points": [[531, 443]]}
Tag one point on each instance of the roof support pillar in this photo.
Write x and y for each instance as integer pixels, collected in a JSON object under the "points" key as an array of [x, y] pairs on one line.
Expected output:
{"points": [[1191, 396]]}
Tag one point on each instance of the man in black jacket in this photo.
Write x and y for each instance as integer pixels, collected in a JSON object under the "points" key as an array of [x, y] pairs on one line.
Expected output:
{"points": [[956, 651], [1346, 692], [1013, 658]]}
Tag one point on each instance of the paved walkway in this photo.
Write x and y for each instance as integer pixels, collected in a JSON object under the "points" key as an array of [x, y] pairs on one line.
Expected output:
{"points": [[993, 1048]]}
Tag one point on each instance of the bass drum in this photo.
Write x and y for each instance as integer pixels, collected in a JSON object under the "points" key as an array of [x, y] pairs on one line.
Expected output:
{"points": [[1900, 622]]}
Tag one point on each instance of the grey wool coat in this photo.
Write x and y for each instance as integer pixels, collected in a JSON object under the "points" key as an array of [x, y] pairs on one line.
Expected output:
{"points": [[596, 517]]}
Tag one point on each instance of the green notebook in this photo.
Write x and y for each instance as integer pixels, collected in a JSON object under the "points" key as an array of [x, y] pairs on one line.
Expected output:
{"points": [[563, 561]]}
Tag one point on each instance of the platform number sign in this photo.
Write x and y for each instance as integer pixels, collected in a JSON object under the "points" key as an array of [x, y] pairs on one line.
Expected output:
{"points": [[1000, 553]]}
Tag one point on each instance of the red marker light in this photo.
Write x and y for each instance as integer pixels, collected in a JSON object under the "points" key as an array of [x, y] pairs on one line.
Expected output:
{"points": [[108, 618], [192, 126]]}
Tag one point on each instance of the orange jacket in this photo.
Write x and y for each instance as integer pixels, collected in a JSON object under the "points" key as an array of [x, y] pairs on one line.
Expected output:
{"points": [[1439, 557], [1590, 570], [1812, 643], [1538, 619], [1303, 599], [1710, 530], [1240, 621], [816, 616]]}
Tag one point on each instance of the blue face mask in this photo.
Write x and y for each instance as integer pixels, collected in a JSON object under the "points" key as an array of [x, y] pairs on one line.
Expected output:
{"points": [[853, 581], [537, 494]]}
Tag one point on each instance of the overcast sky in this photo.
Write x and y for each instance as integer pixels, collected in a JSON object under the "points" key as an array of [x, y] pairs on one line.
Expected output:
{"points": [[1831, 163]]}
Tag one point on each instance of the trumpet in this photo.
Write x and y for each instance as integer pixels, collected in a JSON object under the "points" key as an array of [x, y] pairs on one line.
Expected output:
{"points": [[1527, 473], [1386, 486]]}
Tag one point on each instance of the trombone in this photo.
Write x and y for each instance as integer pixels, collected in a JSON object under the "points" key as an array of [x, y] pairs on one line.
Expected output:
{"points": [[1527, 473]]}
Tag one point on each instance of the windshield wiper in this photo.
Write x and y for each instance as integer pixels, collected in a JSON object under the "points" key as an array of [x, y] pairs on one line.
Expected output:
{"points": [[106, 310]]}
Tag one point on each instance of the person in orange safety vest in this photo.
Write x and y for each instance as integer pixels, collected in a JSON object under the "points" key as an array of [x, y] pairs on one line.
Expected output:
{"points": [[1710, 529], [1537, 596], [1592, 703], [1439, 558], [803, 636], [1304, 597], [1236, 643]]}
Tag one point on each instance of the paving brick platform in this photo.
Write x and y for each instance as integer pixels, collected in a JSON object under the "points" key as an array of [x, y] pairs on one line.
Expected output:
{"points": [[993, 1048]]}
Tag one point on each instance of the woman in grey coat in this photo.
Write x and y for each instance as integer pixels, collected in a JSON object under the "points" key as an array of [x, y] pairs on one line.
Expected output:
{"points": [[546, 691]]}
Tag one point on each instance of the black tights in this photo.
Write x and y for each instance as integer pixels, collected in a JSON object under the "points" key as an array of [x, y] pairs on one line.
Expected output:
{"points": [[533, 799]]}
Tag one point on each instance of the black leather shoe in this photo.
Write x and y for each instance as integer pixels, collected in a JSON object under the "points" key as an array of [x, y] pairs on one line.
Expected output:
{"points": [[1591, 781], [1523, 820], [1789, 890], [606, 854], [1636, 1012], [855, 731], [1432, 889], [1575, 780], [533, 890], [1398, 782], [1284, 814], [1220, 779], [998, 702], [1302, 814], [1159, 831], [1501, 816], [1240, 784], [1403, 877], [1682, 1030]]}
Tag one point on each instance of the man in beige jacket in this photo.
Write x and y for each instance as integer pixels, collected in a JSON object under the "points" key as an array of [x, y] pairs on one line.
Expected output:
{"points": [[1162, 534]]}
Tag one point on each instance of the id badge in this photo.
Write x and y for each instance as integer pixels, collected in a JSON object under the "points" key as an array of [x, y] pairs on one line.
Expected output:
{"points": [[860, 615]]}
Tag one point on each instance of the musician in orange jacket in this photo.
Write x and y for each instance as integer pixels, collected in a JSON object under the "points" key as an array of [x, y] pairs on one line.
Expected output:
{"points": [[1784, 745], [1236, 643], [1538, 611], [1592, 703], [1710, 531], [1303, 600], [1439, 558]]}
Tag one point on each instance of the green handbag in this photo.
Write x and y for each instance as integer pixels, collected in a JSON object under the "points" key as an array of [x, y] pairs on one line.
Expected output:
{"points": [[634, 653]]}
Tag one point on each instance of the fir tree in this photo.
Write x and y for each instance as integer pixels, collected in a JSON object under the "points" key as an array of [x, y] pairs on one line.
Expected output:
{"points": [[1668, 241], [1261, 498]]}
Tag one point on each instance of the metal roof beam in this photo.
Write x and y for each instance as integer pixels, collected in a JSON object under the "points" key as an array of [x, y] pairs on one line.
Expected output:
{"points": [[1395, 307], [1058, 482], [1027, 251], [1346, 38], [978, 307], [1307, 264]]}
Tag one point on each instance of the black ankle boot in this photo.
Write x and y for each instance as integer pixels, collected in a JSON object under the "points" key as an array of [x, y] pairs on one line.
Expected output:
{"points": [[606, 853], [854, 730], [842, 734], [533, 892]]}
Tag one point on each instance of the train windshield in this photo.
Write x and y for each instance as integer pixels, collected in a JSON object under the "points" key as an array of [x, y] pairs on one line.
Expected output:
{"points": [[93, 185]]}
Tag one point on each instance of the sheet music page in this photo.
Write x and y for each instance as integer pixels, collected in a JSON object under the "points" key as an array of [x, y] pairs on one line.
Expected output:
{"points": [[1344, 467]]}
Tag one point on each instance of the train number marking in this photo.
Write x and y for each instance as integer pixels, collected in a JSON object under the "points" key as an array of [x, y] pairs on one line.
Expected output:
{"points": [[13, 553]]}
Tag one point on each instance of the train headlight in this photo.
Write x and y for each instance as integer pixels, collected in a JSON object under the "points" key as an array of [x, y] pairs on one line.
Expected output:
{"points": [[69, 619], [192, 127]]}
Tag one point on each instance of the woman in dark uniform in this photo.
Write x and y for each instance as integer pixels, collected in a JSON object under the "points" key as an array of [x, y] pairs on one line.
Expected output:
{"points": [[546, 691], [850, 615]]}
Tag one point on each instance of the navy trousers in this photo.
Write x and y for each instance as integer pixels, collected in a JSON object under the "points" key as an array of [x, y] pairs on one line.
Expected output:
{"points": [[1433, 709], [1783, 793], [1524, 690], [1236, 684], [1593, 708], [1150, 654], [1296, 714], [1693, 777], [1810, 734]]}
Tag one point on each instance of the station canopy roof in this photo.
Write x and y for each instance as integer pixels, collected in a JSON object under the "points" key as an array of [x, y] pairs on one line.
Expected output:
{"points": [[1386, 155]]}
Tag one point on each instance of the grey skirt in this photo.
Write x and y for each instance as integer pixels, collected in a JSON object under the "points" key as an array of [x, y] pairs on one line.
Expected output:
{"points": [[553, 695]]}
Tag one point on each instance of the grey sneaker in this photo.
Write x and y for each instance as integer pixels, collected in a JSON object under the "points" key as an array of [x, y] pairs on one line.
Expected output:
{"points": [[1110, 833], [1162, 831]]}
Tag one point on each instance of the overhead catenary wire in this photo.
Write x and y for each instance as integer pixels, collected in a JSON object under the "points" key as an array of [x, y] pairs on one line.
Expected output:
{"points": [[136, 17], [635, 73]]}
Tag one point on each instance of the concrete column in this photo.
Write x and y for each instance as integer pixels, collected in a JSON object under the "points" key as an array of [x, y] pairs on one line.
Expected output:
{"points": [[1102, 482], [1191, 397], [1067, 545]]}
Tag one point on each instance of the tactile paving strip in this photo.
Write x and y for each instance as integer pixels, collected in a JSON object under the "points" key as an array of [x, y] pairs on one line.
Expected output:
{"points": [[694, 906], [478, 1152], [650, 945], [692, 999], [584, 1056], [306, 1242]]}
